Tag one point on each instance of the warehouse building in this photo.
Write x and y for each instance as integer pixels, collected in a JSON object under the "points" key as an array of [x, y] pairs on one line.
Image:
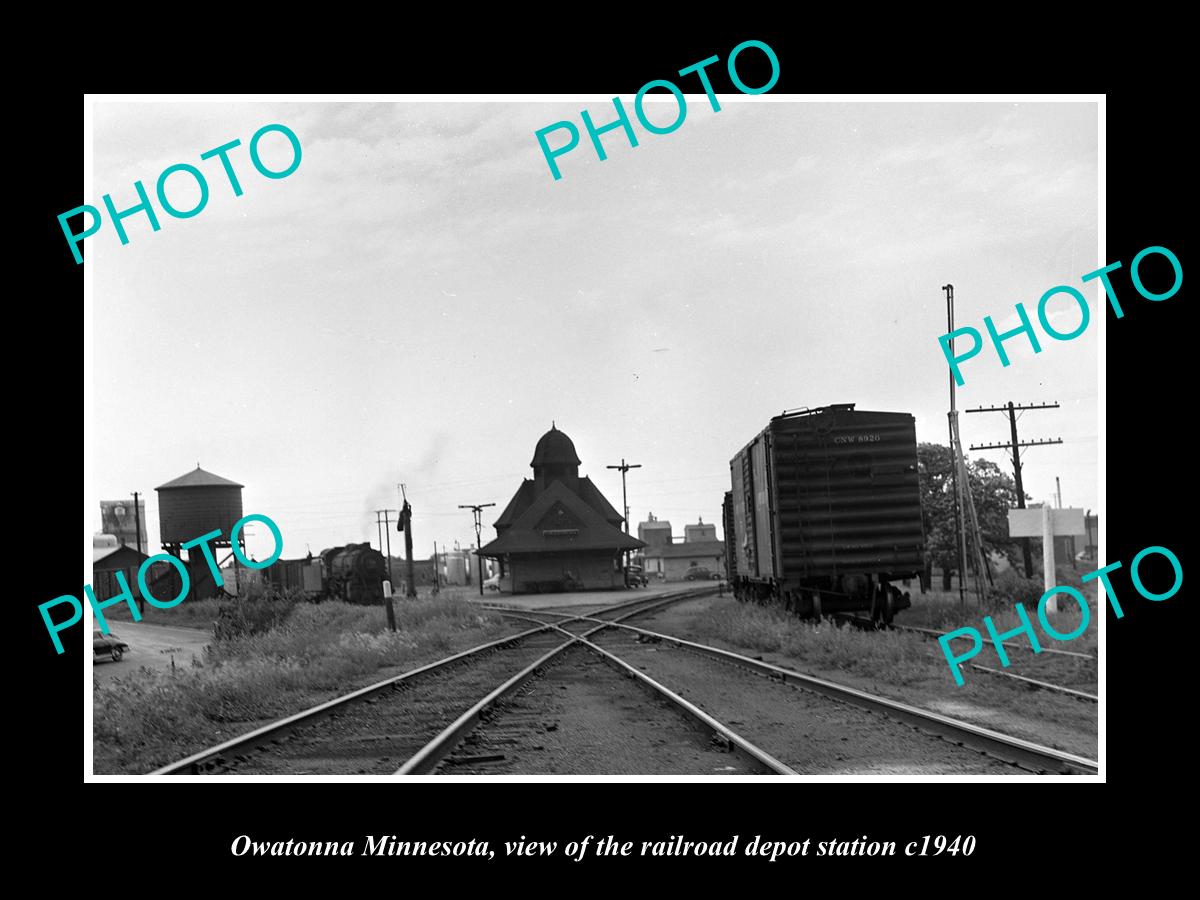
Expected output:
{"points": [[559, 533], [670, 561]]}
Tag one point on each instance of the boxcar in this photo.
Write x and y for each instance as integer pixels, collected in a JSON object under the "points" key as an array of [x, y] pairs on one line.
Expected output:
{"points": [[296, 576], [825, 510]]}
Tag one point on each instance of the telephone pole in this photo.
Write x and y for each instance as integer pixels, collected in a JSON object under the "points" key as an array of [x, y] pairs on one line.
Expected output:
{"points": [[477, 509], [391, 612], [137, 536], [625, 467], [437, 572], [1015, 445]]}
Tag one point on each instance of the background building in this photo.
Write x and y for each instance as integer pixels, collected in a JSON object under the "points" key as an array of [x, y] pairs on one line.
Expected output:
{"points": [[558, 532], [110, 556], [664, 558], [699, 532], [654, 533]]}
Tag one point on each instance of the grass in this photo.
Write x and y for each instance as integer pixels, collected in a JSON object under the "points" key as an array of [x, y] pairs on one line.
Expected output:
{"points": [[828, 646], [941, 610], [148, 719]]}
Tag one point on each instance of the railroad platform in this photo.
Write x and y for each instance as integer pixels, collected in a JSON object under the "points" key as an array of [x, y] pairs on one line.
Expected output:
{"points": [[570, 599]]}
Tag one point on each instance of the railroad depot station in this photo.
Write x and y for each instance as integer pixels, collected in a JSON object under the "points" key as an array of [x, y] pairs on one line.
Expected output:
{"points": [[558, 532]]}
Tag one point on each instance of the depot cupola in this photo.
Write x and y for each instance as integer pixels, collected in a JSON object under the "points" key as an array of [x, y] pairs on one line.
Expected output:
{"points": [[555, 459]]}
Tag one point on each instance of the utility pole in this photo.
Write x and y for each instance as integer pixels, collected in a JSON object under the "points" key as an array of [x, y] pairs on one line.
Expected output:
{"points": [[477, 509], [625, 467], [955, 452], [404, 523], [1015, 446], [437, 572], [391, 612], [137, 537], [1071, 538]]}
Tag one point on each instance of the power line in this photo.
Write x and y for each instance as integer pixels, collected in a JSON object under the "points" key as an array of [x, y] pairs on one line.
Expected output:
{"points": [[1014, 445], [477, 509], [625, 467]]}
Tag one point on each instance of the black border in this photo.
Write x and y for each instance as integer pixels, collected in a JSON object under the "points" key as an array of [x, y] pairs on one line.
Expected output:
{"points": [[1145, 675]]}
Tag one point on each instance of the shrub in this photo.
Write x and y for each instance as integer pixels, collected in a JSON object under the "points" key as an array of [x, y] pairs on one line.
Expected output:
{"points": [[252, 615], [1011, 587]]}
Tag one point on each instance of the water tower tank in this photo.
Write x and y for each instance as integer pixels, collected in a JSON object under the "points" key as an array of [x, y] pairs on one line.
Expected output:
{"points": [[195, 504]]}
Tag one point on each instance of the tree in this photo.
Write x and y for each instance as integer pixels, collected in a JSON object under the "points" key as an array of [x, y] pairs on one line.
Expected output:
{"points": [[994, 492]]}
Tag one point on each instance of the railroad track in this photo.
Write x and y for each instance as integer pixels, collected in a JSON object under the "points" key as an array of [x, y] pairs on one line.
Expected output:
{"points": [[1008, 749], [427, 760], [544, 641], [1000, 673]]}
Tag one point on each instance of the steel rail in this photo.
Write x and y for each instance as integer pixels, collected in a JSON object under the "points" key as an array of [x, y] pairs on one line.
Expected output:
{"points": [[1043, 685], [931, 632], [209, 758], [1007, 748], [758, 755], [427, 759], [1032, 682]]}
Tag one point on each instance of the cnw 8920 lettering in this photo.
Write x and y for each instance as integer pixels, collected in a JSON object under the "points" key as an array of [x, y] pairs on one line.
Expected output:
{"points": [[825, 511]]}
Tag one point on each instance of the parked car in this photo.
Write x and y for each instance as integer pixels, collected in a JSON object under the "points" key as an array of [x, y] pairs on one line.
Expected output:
{"points": [[700, 573], [108, 645], [635, 576], [493, 583]]}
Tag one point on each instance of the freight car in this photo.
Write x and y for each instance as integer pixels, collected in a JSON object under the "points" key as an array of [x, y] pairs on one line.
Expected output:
{"points": [[354, 573], [825, 511]]}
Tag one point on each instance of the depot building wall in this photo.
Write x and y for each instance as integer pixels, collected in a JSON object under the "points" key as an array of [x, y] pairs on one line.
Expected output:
{"points": [[588, 571]]}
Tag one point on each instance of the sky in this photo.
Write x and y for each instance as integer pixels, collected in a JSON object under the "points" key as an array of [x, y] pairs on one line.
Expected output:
{"points": [[420, 299]]}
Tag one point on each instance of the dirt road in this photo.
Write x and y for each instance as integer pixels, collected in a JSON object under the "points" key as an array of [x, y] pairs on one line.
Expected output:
{"points": [[154, 646]]}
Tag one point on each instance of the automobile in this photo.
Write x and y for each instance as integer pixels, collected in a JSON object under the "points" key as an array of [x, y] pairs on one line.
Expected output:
{"points": [[493, 583], [700, 573], [635, 576], [108, 645]]}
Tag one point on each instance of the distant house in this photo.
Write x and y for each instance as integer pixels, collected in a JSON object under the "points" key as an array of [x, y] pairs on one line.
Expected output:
{"points": [[110, 557], [674, 560]]}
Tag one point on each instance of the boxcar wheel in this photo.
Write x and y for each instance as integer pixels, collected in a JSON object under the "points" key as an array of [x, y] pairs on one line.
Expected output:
{"points": [[882, 607], [889, 609]]}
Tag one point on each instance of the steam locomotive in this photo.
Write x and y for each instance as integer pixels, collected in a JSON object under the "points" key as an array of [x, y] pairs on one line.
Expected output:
{"points": [[354, 573]]}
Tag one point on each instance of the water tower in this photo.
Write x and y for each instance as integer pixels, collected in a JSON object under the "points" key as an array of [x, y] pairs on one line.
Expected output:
{"points": [[193, 505]]}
